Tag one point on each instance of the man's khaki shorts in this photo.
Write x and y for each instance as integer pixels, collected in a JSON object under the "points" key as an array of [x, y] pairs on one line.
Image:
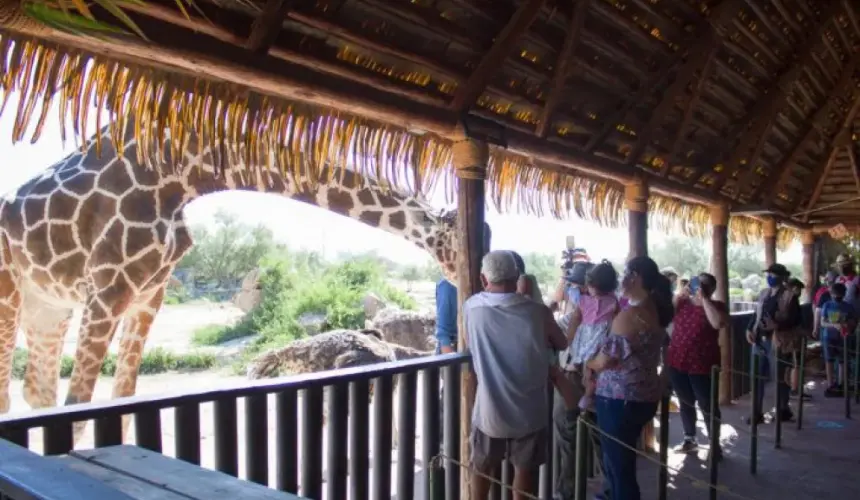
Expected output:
{"points": [[525, 452]]}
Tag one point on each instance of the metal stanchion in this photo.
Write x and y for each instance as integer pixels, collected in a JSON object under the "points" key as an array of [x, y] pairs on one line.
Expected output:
{"points": [[756, 411], [714, 432], [801, 367], [437, 480], [846, 388], [663, 478], [777, 362], [856, 365], [582, 433]]}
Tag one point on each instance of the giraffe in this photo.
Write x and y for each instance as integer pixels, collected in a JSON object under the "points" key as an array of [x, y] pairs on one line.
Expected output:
{"points": [[103, 232]]}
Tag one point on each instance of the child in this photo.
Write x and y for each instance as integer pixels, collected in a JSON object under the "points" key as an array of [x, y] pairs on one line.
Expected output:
{"points": [[592, 320], [837, 319], [527, 285]]}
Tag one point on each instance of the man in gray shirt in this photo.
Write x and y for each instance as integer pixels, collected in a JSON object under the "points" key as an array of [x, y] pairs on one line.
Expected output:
{"points": [[507, 340]]}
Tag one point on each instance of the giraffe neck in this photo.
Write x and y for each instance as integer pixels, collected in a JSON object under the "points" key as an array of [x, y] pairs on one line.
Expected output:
{"points": [[340, 191]]}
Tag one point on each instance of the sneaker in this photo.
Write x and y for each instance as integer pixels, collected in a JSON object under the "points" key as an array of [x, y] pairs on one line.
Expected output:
{"points": [[688, 446], [833, 392], [786, 415], [759, 420]]}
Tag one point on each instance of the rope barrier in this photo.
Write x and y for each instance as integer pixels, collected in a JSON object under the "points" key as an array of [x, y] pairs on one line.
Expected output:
{"points": [[442, 457], [693, 479]]}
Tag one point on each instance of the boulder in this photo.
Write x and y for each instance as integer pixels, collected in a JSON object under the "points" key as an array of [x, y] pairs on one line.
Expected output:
{"points": [[410, 329], [372, 304], [328, 351], [313, 323], [250, 294]]}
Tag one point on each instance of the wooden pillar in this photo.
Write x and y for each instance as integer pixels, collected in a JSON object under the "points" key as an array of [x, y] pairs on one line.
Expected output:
{"points": [[720, 270], [769, 231], [470, 165], [636, 202], [810, 276]]}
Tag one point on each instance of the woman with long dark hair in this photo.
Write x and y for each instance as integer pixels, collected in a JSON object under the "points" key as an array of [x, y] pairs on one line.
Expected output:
{"points": [[628, 386]]}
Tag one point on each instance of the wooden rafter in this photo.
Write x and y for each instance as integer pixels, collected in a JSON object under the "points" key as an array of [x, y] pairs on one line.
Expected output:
{"points": [[469, 92], [750, 172], [844, 86], [266, 26], [851, 8], [763, 113], [855, 168], [697, 59], [692, 104], [725, 10], [842, 138], [563, 65], [821, 172]]}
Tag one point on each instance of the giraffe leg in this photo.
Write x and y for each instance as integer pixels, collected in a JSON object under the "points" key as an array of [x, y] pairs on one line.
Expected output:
{"points": [[45, 329], [138, 322], [102, 314], [10, 308]]}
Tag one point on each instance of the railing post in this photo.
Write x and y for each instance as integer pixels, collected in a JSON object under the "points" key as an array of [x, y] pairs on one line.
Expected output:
{"points": [[224, 420], [430, 435], [338, 441], [846, 390], [581, 451], [406, 409], [359, 439], [451, 430], [801, 382], [436, 480], [663, 475], [756, 411], [382, 416], [714, 432]]}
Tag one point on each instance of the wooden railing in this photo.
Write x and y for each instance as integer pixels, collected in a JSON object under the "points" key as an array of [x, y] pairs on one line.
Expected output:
{"points": [[356, 460]]}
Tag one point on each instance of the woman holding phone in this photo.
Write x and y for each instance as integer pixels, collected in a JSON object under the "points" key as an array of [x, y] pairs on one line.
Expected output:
{"points": [[693, 350]]}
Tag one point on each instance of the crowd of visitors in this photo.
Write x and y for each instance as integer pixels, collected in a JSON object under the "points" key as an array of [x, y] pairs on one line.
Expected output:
{"points": [[612, 348]]}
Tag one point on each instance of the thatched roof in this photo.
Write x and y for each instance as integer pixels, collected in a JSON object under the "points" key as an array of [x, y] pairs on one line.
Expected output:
{"points": [[741, 102]]}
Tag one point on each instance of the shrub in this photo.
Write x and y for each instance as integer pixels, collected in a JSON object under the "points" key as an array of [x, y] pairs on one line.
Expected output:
{"points": [[158, 360]]}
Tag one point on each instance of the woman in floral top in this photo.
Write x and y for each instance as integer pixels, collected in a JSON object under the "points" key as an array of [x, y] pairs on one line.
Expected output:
{"points": [[628, 386]]}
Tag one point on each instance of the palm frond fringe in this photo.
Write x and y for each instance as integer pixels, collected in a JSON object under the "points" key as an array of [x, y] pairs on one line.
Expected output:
{"points": [[301, 139]]}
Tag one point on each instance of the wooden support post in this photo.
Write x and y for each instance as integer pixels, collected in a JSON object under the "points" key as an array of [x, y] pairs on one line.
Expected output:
{"points": [[769, 231], [470, 163], [720, 269], [809, 273], [636, 202]]}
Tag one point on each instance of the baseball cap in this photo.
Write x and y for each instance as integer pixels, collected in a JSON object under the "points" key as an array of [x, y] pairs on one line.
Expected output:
{"points": [[778, 270]]}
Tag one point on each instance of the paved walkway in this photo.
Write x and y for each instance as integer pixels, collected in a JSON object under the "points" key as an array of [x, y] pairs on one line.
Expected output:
{"points": [[820, 461]]}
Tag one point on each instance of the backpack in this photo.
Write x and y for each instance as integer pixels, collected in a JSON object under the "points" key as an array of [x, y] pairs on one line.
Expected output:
{"points": [[786, 340]]}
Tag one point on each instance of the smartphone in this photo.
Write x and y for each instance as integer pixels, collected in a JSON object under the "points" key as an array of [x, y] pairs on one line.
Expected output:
{"points": [[694, 285], [570, 242]]}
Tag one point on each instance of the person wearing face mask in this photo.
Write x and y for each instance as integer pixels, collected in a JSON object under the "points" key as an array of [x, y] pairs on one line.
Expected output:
{"points": [[837, 318], [693, 350], [774, 332], [628, 382], [796, 286]]}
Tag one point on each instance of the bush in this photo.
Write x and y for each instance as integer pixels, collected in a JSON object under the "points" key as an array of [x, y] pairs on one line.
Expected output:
{"points": [[216, 334], [158, 360], [292, 289]]}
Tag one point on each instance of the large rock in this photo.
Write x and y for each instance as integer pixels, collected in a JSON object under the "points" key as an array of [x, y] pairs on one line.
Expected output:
{"points": [[329, 351], [250, 294], [407, 328], [372, 305]]}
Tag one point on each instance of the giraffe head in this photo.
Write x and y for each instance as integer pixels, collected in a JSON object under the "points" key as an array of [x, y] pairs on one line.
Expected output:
{"points": [[443, 239]]}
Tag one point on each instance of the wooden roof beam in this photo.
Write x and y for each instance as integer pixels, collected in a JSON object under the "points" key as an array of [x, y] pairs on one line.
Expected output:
{"points": [[844, 85], [787, 16], [469, 92], [267, 25], [850, 7], [758, 42], [821, 173], [723, 12], [697, 60], [692, 104], [855, 168], [762, 114], [563, 65], [776, 33]]}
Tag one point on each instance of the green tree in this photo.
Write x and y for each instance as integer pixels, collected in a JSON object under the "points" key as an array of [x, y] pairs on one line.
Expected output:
{"points": [[687, 255], [431, 271], [228, 251], [410, 274], [544, 267]]}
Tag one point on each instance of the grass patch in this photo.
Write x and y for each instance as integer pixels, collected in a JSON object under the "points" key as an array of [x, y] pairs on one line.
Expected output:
{"points": [[158, 360], [210, 335]]}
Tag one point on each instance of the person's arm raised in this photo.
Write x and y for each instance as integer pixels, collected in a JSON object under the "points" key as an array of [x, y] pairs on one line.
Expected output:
{"points": [[716, 312]]}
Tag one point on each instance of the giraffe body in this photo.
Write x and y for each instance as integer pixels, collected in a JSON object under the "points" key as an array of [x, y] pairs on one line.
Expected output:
{"points": [[103, 232]]}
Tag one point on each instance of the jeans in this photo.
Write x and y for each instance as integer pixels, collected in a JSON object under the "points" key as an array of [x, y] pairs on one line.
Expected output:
{"points": [[565, 438], [767, 357], [692, 389], [623, 420]]}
